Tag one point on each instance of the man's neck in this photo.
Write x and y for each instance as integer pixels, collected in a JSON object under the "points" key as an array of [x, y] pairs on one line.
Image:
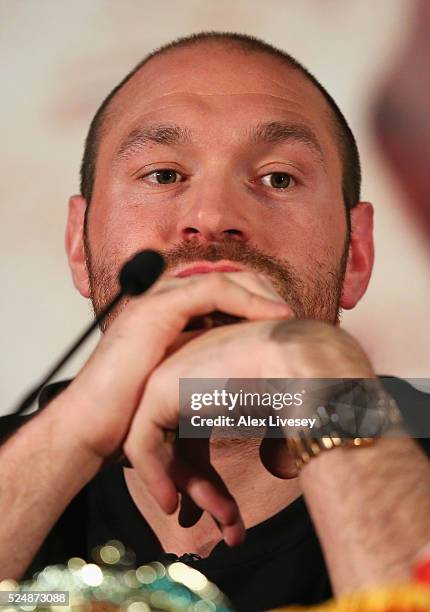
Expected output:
{"points": [[258, 494]]}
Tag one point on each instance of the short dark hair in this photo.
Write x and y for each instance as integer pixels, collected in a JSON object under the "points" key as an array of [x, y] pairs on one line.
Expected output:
{"points": [[351, 172]]}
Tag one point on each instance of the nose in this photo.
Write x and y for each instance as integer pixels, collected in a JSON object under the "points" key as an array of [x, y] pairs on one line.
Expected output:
{"points": [[214, 215]]}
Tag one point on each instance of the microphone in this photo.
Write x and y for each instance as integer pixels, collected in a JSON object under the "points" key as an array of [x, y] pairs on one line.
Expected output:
{"points": [[136, 276]]}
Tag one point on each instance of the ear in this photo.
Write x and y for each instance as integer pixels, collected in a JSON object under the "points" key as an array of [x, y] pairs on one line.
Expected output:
{"points": [[74, 240], [360, 255]]}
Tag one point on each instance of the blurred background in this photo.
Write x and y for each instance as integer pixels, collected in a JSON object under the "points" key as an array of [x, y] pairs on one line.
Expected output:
{"points": [[59, 59]]}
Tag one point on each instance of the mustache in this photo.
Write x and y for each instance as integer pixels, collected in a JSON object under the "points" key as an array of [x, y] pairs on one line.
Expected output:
{"points": [[234, 251]]}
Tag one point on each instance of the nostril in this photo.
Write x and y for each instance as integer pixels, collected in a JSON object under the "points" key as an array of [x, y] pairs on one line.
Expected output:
{"points": [[234, 232], [207, 234], [191, 231]]}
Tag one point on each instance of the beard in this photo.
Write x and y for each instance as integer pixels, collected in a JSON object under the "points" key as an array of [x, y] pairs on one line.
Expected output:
{"points": [[313, 295]]}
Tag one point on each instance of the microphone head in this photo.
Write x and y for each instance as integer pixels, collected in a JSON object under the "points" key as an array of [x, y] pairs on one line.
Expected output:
{"points": [[140, 272]]}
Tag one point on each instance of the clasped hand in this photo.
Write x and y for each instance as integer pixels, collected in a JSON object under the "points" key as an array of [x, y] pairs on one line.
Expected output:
{"points": [[126, 396]]}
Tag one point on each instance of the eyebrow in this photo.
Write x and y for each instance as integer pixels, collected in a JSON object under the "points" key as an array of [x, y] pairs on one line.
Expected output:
{"points": [[157, 134], [272, 132]]}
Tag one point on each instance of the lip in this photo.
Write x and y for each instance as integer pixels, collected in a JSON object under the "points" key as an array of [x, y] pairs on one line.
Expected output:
{"points": [[206, 267]]}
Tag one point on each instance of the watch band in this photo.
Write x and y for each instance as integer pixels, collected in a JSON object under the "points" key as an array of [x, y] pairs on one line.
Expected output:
{"points": [[304, 448]]}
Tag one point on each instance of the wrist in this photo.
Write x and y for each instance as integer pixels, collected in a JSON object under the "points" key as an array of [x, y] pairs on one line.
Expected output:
{"points": [[65, 429]]}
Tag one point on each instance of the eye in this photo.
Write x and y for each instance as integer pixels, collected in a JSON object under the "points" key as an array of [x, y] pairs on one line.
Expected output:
{"points": [[164, 176], [277, 180]]}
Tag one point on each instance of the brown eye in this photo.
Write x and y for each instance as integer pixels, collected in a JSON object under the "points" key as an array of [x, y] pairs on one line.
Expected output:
{"points": [[164, 176], [277, 180]]}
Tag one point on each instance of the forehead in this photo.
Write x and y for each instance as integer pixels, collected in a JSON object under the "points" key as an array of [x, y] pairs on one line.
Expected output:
{"points": [[221, 89]]}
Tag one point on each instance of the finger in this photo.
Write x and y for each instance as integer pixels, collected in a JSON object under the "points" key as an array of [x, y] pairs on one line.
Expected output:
{"points": [[163, 315], [207, 490], [197, 450], [254, 282], [164, 474], [219, 292], [189, 512], [152, 458], [259, 284], [164, 477]]}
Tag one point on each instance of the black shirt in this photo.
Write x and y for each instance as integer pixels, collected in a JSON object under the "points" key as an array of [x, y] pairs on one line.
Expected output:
{"points": [[279, 563]]}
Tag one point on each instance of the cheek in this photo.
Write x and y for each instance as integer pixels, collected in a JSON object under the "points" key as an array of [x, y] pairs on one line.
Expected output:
{"points": [[119, 230], [301, 236]]}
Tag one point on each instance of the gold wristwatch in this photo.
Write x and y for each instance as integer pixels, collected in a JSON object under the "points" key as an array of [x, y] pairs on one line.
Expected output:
{"points": [[357, 416]]}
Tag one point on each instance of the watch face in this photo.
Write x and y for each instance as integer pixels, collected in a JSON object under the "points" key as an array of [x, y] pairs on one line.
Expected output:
{"points": [[362, 411]]}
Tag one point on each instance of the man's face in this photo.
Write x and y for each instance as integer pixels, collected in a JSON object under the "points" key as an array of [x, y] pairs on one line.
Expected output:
{"points": [[213, 154]]}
